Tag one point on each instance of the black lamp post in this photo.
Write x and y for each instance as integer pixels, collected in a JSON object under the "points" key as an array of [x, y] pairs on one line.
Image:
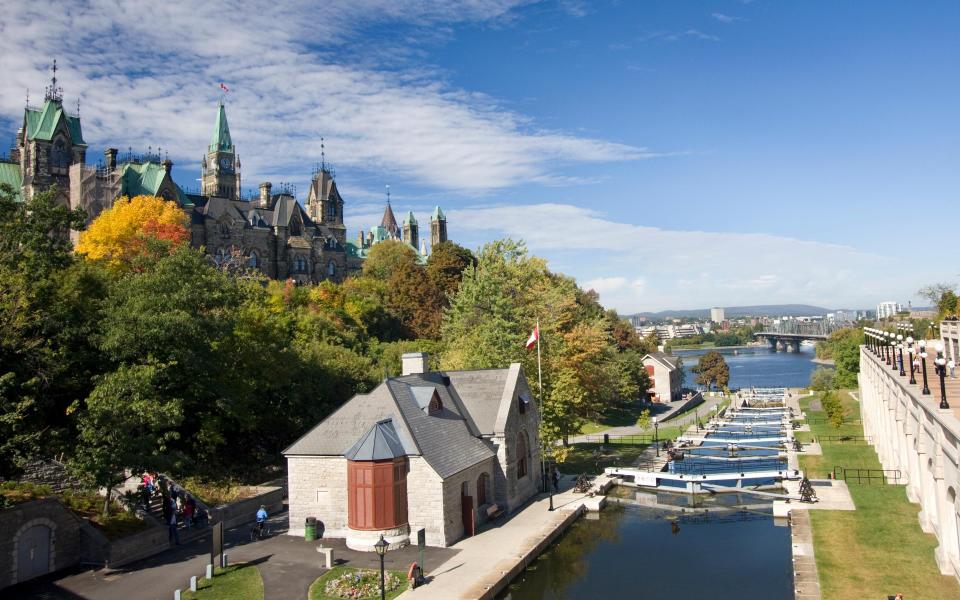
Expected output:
{"points": [[892, 340], [913, 380], [886, 346], [900, 352], [381, 548], [656, 439], [923, 363], [942, 370]]}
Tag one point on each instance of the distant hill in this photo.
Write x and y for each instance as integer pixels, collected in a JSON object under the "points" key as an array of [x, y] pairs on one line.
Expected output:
{"points": [[763, 310]]}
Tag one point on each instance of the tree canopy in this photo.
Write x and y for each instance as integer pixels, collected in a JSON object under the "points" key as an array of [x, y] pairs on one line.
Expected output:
{"points": [[712, 371]]}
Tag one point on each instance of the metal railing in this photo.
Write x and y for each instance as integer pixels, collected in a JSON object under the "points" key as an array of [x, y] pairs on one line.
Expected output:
{"points": [[603, 438], [734, 467], [842, 439], [857, 475]]}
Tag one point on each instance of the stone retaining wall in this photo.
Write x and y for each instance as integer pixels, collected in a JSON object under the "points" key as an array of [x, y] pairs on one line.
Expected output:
{"points": [[244, 511]]}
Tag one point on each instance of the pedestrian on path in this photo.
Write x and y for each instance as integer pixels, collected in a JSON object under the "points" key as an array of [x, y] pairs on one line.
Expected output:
{"points": [[170, 518], [556, 479], [952, 366]]}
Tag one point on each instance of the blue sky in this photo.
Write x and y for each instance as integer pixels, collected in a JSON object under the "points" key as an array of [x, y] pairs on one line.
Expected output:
{"points": [[668, 154]]}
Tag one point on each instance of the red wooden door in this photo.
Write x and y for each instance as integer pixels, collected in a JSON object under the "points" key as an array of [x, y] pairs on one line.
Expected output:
{"points": [[467, 512]]}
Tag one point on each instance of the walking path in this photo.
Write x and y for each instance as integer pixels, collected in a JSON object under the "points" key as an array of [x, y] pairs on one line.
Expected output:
{"points": [[487, 562], [287, 564], [689, 418]]}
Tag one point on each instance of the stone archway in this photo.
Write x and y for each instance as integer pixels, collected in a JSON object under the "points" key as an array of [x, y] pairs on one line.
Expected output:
{"points": [[34, 549]]}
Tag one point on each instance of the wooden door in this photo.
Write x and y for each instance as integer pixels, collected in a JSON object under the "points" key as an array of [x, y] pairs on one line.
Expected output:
{"points": [[33, 553], [467, 512]]}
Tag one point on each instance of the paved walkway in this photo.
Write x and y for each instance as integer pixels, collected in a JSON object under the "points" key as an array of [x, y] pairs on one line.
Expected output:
{"points": [[501, 552], [703, 410], [288, 565]]}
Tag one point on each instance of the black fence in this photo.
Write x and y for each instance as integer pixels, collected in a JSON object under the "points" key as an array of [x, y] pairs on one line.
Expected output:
{"points": [[824, 421], [868, 476], [603, 438], [844, 439]]}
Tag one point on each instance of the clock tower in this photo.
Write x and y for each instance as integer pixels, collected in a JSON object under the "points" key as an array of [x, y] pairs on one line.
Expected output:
{"points": [[221, 166]]}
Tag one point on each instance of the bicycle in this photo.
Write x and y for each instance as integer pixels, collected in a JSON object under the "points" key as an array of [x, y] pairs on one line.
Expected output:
{"points": [[259, 531]]}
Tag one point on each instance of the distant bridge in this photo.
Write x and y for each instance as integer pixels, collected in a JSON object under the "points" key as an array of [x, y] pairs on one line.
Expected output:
{"points": [[787, 335]]}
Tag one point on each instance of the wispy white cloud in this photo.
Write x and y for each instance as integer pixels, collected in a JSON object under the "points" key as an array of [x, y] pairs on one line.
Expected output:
{"points": [[636, 267], [676, 36], [723, 18], [150, 77]]}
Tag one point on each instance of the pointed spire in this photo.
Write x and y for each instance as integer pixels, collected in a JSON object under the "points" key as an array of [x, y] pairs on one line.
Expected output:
{"points": [[54, 92], [410, 220], [389, 222], [221, 142], [438, 215]]}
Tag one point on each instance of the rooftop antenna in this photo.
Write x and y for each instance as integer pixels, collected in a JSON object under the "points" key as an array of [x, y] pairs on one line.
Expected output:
{"points": [[78, 106], [28, 96], [388, 193]]}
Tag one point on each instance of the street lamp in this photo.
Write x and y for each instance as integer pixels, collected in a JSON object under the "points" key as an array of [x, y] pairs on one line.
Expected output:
{"points": [[913, 380], [892, 340], [886, 353], [381, 548], [900, 351], [942, 370], [923, 362], [656, 439]]}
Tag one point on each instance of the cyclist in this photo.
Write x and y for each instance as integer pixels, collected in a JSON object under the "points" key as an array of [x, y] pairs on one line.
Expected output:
{"points": [[261, 525]]}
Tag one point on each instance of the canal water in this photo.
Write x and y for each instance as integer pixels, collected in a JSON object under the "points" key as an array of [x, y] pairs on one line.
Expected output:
{"points": [[757, 366], [734, 551], [726, 546]]}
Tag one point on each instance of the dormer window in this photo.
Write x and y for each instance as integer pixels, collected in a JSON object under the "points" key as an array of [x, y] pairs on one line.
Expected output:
{"points": [[435, 405], [427, 399]]}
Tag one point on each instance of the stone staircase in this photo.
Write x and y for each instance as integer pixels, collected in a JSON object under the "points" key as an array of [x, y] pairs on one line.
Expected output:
{"points": [[154, 510]]}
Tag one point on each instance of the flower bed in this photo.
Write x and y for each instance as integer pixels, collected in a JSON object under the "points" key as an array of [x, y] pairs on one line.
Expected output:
{"points": [[356, 584]]}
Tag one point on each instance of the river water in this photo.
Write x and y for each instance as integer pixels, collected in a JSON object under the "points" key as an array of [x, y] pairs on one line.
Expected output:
{"points": [[757, 366], [643, 549]]}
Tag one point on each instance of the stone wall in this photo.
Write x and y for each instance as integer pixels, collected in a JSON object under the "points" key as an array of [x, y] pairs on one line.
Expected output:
{"points": [[509, 491], [51, 473], [244, 511], [425, 502], [920, 440], [65, 537], [317, 487], [452, 516]]}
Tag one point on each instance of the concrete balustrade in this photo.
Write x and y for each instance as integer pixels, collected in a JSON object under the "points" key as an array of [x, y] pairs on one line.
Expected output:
{"points": [[913, 435]]}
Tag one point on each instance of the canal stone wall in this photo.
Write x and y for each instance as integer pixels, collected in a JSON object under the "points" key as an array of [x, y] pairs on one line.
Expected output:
{"points": [[920, 440]]}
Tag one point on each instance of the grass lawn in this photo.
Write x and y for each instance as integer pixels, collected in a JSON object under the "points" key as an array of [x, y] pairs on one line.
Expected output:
{"points": [[317, 588], [879, 549], [616, 417], [236, 582], [589, 458]]}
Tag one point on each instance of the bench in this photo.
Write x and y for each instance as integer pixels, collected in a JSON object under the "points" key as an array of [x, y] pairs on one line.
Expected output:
{"points": [[328, 555], [494, 511]]}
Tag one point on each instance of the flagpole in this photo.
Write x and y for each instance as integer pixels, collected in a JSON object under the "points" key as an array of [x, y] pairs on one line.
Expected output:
{"points": [[539, 368]]}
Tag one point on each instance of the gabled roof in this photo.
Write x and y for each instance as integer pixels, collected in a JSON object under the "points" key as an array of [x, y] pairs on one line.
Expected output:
{"points": [[389, 222], [438, 215], [220, 140], [381, 442], [145, 180], [10, 175], [42, 124], [666, 360]]}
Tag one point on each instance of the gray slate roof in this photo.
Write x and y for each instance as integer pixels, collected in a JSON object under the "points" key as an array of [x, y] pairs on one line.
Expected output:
{"points": [[381, 442], [671, 361], [449, 439]]}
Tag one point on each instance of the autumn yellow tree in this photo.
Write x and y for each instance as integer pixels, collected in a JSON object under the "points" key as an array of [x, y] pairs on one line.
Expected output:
{"points": [[134, 229]]}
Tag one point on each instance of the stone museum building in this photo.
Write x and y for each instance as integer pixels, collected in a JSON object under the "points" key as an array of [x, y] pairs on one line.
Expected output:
{"points": [[442, 451]]}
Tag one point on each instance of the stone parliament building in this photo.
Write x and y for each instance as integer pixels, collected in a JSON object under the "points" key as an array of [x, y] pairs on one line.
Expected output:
{"points": [[271, 231]]}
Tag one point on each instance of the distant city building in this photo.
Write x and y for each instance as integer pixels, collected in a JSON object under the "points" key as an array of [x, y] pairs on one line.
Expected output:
{"points": [[638, 320], [717, 315], [888, 309]]}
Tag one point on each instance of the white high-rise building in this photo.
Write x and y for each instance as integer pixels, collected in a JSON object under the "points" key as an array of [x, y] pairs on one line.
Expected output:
{"points": [[888, 309], [717, 315]]}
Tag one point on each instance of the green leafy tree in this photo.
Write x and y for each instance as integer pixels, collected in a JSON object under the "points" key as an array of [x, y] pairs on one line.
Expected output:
{"points": [[386, 257], [446, 264], [125, 424], [712, 371], [821, 379]]}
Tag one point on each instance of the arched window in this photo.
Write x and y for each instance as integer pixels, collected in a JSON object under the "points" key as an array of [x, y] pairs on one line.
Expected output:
{"points": [[482, 482], [331, 209], [299, 264], [254, 260], [522, 401], [224, 230], [59, 157], [331, 269], [523, 454]]}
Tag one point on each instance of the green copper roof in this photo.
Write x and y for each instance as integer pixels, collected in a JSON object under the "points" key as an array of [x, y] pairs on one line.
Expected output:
{"points": [[144, 180], [221, 142], [41, 124], [410, 220], [438, 215], [10, 175]]}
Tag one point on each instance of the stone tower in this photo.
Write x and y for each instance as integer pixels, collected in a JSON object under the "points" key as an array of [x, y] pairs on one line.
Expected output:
{"points": [[325, 205], [220, 174], [411, 234], [438, 227], [49, 141]]}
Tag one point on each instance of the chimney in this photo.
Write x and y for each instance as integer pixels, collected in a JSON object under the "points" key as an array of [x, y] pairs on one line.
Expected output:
{"points": [[111, 156], [415, 362], [265, 194], [167, 165]]}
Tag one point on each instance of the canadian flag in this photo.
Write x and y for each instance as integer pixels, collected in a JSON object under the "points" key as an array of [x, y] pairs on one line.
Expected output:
{"points": [[224, 88], [532, 341]]}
